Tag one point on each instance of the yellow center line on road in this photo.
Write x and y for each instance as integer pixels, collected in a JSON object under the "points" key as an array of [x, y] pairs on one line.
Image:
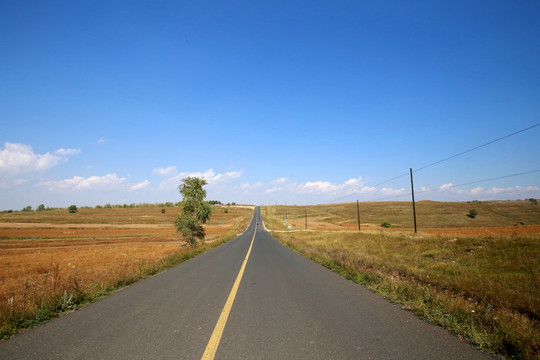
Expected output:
{"points": [[213, 343]]}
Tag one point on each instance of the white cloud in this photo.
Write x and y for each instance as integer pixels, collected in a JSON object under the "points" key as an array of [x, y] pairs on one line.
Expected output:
{"points": [[67, 152], [18, 158], [354, 182], [274, 189], [142, 185], [249, 187], [476, 190], [391, 191], [77, 183], [446, 186], [102, 140], [209, 175], [367, 189], [497, 191], [165, 171], [318, 187], [351, 186]]}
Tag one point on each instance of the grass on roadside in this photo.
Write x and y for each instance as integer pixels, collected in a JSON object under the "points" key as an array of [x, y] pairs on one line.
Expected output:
{"points": [[36, 293], [485, 289]]}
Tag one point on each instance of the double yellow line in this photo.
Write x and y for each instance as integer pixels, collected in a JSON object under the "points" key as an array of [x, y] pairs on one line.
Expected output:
{"points": [[213, 343]]}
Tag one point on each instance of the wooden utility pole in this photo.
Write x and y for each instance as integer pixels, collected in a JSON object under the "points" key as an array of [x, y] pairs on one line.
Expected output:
{"points": [[358, 214], [413, 206], [305, 215]]}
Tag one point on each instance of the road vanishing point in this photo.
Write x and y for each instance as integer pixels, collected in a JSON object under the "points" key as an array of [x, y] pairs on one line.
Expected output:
{"points": [[250, 298]]}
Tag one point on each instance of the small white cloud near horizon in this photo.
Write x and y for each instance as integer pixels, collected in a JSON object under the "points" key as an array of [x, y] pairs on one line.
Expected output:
{"points": [[174, 179], [446, 186], [165, 171], [142, 185], [77, 183], [67, 152]]}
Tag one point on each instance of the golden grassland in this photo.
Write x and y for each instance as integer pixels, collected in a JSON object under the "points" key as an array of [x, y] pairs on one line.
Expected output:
{"points": [[479, 278], [52, 261]]}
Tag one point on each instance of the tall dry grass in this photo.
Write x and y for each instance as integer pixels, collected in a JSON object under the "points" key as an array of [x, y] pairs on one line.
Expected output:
{"points": [[48, 270], [486, 289]]}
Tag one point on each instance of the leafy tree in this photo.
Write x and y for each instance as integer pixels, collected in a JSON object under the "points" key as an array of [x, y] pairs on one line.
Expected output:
{"points": [[28, 208], [194, 211], [472, 213], [41, 207], [72, 209]]}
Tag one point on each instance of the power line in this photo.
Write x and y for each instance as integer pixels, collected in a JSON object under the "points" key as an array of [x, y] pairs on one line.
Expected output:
{"points": [[477, 147], [480, 181], [458, 185], [459, 154], [445, 159]]}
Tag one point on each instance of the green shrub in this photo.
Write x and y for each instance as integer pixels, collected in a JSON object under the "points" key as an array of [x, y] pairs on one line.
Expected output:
{"points": [[72, 209], [226, 211], [163, 211], [472, 213], [386, 224]]}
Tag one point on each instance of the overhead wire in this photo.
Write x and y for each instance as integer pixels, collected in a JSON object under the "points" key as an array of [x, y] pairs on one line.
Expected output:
{"points": [[461, 153], [458, 185], [450, 157]]}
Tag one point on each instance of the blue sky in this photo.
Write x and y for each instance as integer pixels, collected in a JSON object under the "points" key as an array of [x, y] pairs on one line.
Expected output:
{"points": [[300, 102]]}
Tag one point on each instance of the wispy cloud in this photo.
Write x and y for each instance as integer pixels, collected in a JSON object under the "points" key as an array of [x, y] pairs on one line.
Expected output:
{"points": [[142, 185], [171, 170], [77, 183], [174, 178], [67, 152], [102, 140]]}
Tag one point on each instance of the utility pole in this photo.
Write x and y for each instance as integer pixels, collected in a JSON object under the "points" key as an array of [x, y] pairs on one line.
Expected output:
{"points": [[305, 215], [413, 206], [358, 213]]}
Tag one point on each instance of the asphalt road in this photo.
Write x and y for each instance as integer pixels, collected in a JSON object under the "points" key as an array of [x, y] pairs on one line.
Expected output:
{"points": [[286, 307]]}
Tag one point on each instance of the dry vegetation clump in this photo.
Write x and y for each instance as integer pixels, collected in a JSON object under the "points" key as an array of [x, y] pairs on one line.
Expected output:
{"points": [[48, 268], [481, 283]]}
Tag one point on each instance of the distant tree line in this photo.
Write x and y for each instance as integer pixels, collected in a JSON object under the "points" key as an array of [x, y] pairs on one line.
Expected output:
{"points": [[41, 207]]}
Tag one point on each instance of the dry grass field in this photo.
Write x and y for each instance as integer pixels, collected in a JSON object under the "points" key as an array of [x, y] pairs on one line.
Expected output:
{"points": [[479, 278], [52, 261]]}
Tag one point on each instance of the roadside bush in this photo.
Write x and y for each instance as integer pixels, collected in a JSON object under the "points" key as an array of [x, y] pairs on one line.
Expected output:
{"points": [[472, 213], [72, 209], [163, 211], [386, 224], [226, 211]]}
